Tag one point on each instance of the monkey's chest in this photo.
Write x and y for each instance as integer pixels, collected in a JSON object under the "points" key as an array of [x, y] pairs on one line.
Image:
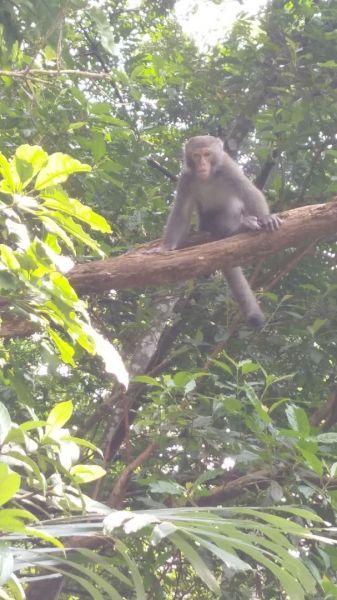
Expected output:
{"points": [[219, 210], [214, 195]]}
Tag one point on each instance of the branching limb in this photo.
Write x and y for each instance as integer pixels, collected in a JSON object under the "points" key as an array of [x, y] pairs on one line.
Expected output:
{"points": [[143, 267]]}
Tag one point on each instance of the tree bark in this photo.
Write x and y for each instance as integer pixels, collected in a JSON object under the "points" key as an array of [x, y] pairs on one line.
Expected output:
{"points": [[141, 268], [144, 266]]}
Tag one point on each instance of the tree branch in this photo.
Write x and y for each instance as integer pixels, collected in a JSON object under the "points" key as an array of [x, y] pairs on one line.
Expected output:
{"points": [[117, 494], [28, 73], [235, 487], [143, 267], [156, 165]]}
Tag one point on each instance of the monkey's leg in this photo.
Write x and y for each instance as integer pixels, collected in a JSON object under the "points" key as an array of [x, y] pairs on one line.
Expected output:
{"points": [[244, 296]]}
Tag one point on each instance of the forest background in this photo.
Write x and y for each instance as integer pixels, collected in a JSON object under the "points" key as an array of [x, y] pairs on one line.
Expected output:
{"points": [[212, 474]]}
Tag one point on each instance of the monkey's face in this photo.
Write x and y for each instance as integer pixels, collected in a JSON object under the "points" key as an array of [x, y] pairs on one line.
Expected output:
{"points": [[202, 162], [202, 155]]}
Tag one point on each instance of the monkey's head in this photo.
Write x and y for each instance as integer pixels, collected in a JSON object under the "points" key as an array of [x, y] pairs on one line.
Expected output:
{"points": [[202, 154]]}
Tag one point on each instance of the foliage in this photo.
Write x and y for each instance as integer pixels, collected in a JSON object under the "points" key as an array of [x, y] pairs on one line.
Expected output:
{"points": [[45, 455], [31, 284], [95, 102]]}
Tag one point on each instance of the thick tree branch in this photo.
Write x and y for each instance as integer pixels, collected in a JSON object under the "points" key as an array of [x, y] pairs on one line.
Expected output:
{"points": [[143, 267], [235, 487]]}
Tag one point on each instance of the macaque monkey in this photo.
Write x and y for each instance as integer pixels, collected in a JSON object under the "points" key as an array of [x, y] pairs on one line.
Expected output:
{"points": [[214, 186]]}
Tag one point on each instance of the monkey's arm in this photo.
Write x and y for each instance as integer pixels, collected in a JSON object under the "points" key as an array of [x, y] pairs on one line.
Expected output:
{"points": [[179, 220], [252, 198], [255, 204]]}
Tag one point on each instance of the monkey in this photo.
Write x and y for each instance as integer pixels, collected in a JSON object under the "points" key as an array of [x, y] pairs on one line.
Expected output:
{"points": [[227, 202]]}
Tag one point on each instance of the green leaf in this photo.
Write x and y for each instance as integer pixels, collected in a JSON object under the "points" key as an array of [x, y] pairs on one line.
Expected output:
{"points": [[316, 326], [42, 535], [297, 419], [6, 564], [182, 378], [61, 284], [167, 487], [8, 258], [111, 358], [327, 438], [57, 200], [230, 559], [65, 349], [223, 366], [260, 408], [74, 229], [328, 64], [18, 513], [30, 465], [135, 574], [105, 563], [99, 581], [54, 228], [57, 170], [117, 518], [8, 184], [138, 521], [20, 231], [196, 561], [161, 531], [248, 366], [81, 442], [5, 423], [82, 581], [16, 588], [98, 146], [9, 524], [59, 416], [28, 161], [86, 473], [313, 461], [10, 483]]}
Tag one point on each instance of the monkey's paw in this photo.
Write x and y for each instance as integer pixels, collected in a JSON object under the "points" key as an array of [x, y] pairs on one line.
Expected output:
{"points": [[251, 223], [154, 250], [271, 222]]}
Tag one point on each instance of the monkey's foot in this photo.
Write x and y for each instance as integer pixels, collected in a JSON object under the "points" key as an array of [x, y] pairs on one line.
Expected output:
{"points": [[256, 319]]}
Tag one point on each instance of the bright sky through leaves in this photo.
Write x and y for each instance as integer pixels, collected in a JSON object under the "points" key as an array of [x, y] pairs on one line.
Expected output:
{"points": [[209, 21]]}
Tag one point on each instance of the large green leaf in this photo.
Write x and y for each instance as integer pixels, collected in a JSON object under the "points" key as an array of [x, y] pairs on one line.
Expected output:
{"points": [[57, 170]]}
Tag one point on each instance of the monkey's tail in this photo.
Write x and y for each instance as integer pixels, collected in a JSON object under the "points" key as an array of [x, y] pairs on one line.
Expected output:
{"points": [[245, 297]]}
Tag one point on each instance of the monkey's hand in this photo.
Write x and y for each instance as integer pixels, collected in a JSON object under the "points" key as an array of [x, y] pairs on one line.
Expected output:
{"points": [[250, 223], [158, 249], [155, 250], [271, 222]]}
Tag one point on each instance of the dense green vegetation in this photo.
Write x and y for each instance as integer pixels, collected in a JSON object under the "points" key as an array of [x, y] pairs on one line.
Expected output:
{"points": [[220, 455]]}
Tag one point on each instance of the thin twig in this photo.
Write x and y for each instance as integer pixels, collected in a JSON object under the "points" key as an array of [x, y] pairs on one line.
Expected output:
{"points": [[163, 170], [24, 74], [295, 258], [118, 492]]}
